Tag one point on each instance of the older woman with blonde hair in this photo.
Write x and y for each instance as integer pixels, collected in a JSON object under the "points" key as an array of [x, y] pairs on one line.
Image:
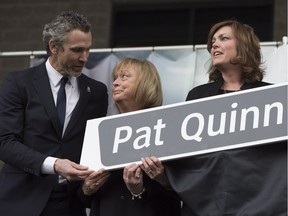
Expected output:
{"points": [[142, 82], [141, 190]]}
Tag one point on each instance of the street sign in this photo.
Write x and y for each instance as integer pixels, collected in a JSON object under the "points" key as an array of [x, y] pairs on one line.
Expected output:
{"points": [[235, 120]]}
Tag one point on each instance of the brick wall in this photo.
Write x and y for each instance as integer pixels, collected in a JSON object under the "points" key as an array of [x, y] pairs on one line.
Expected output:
{"points": [[22, 22]]}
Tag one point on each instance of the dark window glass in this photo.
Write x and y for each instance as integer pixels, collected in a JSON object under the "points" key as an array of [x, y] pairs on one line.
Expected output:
{"points": [[184, 24]]}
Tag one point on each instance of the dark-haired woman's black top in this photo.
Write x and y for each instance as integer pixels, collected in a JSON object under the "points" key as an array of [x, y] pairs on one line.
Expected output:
{"points": [[249, 181]]}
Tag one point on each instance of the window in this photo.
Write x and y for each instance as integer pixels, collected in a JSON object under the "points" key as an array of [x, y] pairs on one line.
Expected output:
{"points": [[184, 24]]}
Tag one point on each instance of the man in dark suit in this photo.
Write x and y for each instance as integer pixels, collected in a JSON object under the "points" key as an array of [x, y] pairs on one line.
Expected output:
{"points": [[41, 173]]}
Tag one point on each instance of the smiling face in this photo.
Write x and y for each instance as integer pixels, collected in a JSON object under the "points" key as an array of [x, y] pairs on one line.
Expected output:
{"points": [[70, 58], [124, 86], [223, 49]]}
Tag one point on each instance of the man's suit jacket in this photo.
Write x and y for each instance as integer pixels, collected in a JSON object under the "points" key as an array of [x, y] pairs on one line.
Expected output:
{"points": [[29, 132]]}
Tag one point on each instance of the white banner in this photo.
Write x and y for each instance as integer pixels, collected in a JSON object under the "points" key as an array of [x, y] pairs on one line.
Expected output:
{"points": [[180, 67]]}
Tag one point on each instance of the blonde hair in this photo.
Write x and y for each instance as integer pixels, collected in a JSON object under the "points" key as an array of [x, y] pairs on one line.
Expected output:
{"points": [[248, 51], [148, 85]]}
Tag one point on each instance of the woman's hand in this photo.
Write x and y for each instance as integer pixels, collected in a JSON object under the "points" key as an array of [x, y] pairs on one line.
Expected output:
{"points": [[94, 181], [133, 178], [153, 167]]}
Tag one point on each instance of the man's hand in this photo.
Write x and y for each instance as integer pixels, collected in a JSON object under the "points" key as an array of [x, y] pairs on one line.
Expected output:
{"points": [[70, 170]]}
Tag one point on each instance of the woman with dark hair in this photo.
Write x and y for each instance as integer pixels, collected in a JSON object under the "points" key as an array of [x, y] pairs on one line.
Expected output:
{"points": [[248, 181]]}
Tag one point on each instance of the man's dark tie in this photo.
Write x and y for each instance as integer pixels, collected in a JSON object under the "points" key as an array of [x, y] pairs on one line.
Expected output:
{"points": [[61, 102]]}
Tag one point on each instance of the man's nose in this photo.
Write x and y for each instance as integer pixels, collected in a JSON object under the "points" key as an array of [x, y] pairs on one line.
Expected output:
{"points": [[84, 56]]}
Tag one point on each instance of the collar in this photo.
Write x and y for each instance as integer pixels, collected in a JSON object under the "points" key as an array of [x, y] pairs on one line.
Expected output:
{"points": [[220, 81], [55, 76]]}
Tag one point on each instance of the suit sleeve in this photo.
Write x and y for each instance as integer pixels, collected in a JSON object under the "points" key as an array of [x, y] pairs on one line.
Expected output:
{"points": [[12, 149]]}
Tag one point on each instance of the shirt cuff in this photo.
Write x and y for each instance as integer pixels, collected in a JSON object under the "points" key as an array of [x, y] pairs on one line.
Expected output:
{"points": [[48, 165]]}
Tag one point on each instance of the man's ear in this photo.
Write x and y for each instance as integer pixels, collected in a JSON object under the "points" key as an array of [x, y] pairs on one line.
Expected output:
{"points": [[53, 46]]}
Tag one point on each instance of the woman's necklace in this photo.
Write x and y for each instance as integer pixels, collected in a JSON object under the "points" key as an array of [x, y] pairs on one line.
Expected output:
{"points": [[234, 89], [230, 91]]}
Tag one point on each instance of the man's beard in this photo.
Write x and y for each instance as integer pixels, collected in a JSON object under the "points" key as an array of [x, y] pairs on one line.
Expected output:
{"points": [[70, 72]]}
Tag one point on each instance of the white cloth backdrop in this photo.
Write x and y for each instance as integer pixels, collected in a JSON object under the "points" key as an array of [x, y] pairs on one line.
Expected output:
{"points": [[180, 67]]}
